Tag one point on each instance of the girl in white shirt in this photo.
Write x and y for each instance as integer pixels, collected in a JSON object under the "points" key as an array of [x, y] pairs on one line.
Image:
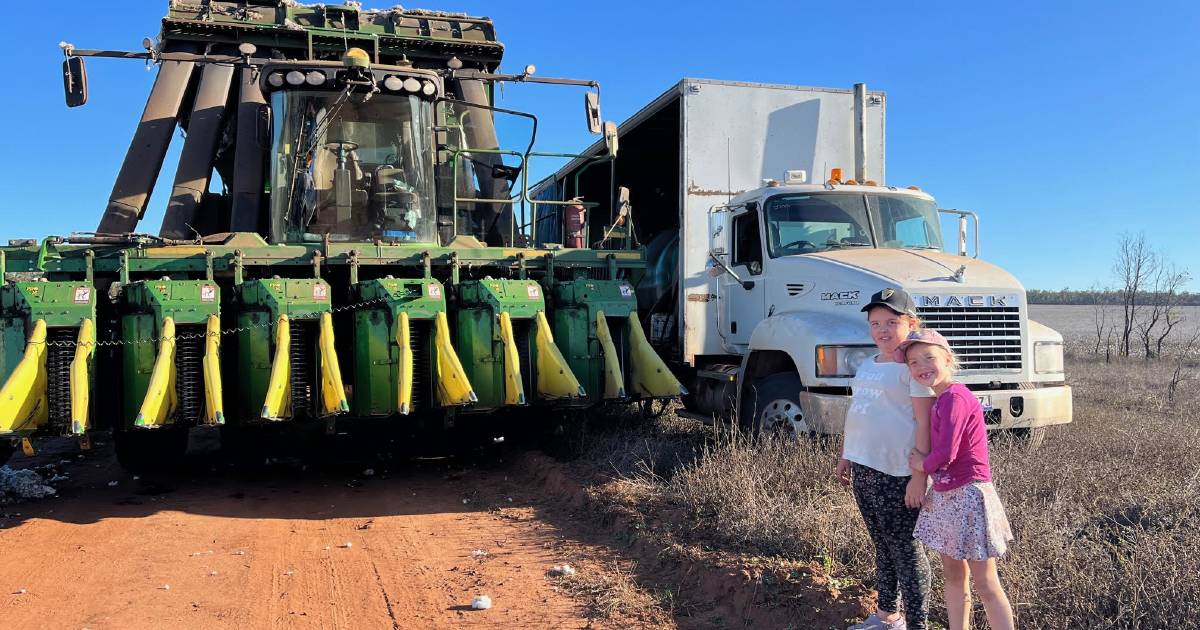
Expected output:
{"points": [[880, 432]]}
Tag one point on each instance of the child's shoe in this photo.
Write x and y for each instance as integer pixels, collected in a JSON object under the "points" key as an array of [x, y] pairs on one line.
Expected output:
{"points": [[875, 623]]}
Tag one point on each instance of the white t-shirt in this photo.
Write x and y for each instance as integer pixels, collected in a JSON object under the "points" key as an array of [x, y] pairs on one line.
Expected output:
{"points": [[880, 429]]}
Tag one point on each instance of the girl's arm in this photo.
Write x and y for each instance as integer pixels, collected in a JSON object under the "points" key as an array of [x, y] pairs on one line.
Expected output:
{"points": [[914, 494], [922, 407], [957, 412]]}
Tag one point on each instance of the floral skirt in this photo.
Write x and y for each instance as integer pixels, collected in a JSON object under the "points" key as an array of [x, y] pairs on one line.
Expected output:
{"points": [[966, 523]]}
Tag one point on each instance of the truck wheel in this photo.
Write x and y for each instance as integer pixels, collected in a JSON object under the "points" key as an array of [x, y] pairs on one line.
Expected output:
{"points": [[150, 450], [772, 405], [7, 448], [1030, 438]]}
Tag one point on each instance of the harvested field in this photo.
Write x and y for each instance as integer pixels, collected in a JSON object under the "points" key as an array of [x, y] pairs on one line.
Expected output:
{"points": [[1106, 513]]}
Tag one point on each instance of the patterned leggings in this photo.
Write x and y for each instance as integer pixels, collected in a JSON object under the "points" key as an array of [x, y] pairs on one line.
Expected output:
{"points": [[900, 562]]}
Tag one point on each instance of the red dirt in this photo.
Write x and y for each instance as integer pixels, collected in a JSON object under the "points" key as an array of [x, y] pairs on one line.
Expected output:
{"points": [[240, 552]]}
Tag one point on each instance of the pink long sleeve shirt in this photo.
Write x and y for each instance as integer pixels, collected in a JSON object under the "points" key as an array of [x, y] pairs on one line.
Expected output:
{"points": [[958, 451]]}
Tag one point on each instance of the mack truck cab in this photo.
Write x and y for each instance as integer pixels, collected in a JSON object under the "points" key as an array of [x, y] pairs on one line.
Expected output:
{"points": [[794, 264]]}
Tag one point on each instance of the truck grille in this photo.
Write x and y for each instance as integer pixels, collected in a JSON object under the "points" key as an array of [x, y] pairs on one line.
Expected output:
{"points": [[984, 338]]}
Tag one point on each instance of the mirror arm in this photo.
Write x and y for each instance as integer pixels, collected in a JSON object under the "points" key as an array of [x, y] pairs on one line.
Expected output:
{"points": [[720, 263]]}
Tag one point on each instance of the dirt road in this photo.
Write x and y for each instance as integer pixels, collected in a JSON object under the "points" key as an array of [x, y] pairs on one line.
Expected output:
{"points": [[287, 547]]}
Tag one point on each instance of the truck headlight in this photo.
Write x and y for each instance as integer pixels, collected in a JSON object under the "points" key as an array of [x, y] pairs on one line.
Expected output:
{"points": [[842, 361], [1048, 357]]}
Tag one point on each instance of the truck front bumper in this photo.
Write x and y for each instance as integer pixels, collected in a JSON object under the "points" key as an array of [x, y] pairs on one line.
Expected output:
{"points": [[1009, 408]]}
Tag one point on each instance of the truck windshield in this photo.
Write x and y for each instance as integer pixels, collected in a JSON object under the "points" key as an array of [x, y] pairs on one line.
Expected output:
{"points": [[807, 223], [352, 169]]}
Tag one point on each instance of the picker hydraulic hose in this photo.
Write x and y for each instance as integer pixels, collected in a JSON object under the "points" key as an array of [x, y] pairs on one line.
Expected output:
{"points": [[278, 404], [23, 398], [555, 380], [651, 377], [160, 402], [80, 371], [614, 380]]}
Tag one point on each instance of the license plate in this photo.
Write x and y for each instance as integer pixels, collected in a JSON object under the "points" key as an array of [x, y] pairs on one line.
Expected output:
{"points": [[986, 402]]}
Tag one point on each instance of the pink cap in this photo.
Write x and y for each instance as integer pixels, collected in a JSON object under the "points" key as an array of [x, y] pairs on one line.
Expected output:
{"points": [[925, 335]]}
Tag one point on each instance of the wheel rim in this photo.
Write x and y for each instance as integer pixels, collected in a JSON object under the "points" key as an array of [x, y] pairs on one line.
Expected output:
{"points": [[783, 415]]}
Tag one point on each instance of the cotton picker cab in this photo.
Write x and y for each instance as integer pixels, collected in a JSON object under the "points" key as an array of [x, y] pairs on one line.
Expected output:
{"points": [[347, 242]]}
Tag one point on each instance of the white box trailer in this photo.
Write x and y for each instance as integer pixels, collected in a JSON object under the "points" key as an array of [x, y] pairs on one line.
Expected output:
{"points": [[768, 223]]}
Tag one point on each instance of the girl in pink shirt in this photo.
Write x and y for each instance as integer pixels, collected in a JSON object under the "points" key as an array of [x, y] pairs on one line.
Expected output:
{"points": [[962, 518]]}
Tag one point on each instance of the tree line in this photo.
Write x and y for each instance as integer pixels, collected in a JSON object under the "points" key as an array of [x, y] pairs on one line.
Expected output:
{"points": [[1091, 297]]}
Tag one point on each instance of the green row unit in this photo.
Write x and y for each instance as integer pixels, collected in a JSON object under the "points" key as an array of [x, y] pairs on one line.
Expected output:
{"points": [[145, 305], [63, 306], [373, 384], [478, 340], [255, 311], [576, 304]]}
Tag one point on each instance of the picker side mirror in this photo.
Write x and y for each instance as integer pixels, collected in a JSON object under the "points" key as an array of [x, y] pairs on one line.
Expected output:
{"points": [[591, 105], [610, 138], [75, 85]]}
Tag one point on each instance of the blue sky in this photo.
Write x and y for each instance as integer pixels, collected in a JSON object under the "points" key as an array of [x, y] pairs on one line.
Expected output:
{"points": [[1062, 124]]}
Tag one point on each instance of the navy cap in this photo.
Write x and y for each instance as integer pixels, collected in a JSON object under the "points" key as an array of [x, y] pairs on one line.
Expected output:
{"points": [[895, 299]]}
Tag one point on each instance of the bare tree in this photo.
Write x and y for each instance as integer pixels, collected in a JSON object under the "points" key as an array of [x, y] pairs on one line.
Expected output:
{"points": [[1136, 264], [1182, 360], [1172, 313], [1160, 312], [1100, 324]]}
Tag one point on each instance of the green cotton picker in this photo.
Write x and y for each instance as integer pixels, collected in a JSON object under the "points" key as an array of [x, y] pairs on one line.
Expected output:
{"points": [[346, 240]]}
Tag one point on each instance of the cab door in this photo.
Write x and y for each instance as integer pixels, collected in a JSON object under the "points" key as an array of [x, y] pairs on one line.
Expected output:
{"points": [[743, 303]]}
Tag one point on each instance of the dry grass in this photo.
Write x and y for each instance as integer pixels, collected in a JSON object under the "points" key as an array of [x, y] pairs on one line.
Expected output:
{"points": [[1106, 513], [611, 594]]}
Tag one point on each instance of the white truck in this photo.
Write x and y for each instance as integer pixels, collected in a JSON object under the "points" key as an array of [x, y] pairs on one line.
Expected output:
{"points": [[768, 223]]}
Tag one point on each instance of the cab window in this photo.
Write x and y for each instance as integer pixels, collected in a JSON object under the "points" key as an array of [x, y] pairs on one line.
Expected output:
{"points": [[747, 243]]}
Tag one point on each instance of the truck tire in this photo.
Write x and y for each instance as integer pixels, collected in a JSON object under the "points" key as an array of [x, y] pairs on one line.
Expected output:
{"points": [[1030, 438], [7, 448], [150, 450], [771, 405]]}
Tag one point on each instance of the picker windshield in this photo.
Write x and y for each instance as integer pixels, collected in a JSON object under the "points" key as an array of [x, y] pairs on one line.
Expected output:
{"points": [[352, 169]]}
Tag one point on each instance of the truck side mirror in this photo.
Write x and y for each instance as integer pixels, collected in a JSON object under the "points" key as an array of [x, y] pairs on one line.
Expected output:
{"points": [[591, 106], [75, 85], [718, 219], [610, 138]]}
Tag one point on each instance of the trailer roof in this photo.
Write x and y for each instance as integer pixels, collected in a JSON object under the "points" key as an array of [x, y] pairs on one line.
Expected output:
{"points": [[667, 97]]}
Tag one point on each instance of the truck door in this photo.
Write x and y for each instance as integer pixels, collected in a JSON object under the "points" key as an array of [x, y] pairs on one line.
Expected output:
{"points": [[743, 303]]}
